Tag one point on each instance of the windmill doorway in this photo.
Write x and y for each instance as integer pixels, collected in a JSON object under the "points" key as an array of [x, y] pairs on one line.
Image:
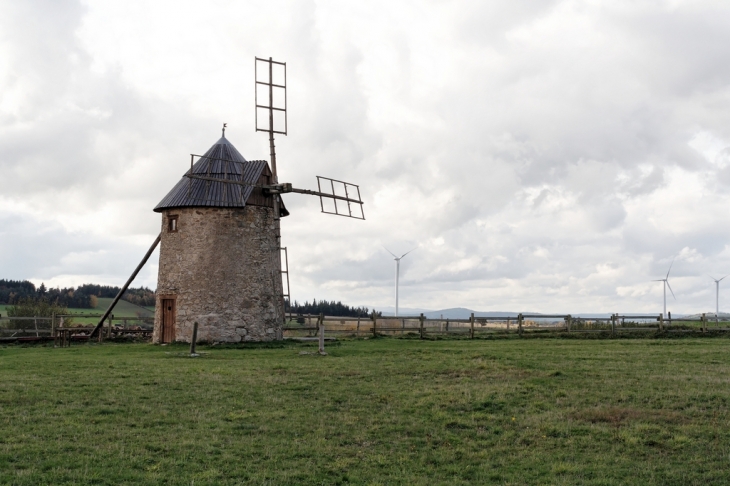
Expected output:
{"points": [[168, 321]]}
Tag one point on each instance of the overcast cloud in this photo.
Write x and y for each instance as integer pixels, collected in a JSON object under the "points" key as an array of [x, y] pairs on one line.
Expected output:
{"points": [[542, 156]]}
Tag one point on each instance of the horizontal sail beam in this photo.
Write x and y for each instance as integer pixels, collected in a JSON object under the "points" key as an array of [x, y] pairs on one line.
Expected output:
{"points": [[275, 189], [324, 194]]}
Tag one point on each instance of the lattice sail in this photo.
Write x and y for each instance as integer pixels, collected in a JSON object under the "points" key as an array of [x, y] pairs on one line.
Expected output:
{"points": [[340, 198]]}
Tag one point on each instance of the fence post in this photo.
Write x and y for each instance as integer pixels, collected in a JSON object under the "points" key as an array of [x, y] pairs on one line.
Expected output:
{"points": [[568, 318], [321, 334], [53, 323], [661, 322], [194, 339], [421, 319], [613, 323], [519, 323], [358, 326], [447, 325], [704, 323], [35, 323], [109, 329], [471, 336], [375, 324]]}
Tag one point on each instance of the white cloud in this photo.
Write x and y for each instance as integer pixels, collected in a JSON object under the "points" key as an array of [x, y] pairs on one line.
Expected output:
{"points": [[542, 156]]}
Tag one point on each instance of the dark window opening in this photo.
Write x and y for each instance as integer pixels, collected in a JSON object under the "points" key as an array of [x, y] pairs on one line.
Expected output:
{"points": [[172, 224]]}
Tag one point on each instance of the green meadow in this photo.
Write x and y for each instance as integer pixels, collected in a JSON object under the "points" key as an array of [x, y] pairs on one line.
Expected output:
{"points": [[122, 309], [377, 411]]}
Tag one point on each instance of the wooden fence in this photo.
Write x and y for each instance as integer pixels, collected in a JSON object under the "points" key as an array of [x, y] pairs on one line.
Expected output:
{"points": [[62, 329], [307, 326], [57, 328]]}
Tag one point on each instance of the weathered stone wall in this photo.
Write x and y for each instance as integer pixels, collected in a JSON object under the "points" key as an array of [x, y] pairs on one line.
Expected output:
{"points": [[222, 267]]}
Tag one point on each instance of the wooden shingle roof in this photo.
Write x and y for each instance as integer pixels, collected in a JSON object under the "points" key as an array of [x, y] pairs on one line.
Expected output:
{"points": [[221, 161]]}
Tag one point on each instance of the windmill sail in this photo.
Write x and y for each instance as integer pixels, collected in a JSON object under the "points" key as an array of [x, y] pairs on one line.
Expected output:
{"points": [[348, 194]]}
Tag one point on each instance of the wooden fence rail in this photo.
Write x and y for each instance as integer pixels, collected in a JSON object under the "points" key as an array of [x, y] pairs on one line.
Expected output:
{"points": [[56, 328], [520, 324]]}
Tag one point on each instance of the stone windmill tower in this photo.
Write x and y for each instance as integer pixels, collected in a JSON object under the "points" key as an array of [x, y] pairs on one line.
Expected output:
{"points": [[218, 253], [221, 254]]}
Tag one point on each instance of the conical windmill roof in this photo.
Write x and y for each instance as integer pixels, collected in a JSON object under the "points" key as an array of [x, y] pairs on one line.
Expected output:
{"points": [[221, 161]]}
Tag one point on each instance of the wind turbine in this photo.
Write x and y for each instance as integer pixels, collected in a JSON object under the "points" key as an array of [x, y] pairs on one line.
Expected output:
{"points": [[397, 274], [717, 295], [666, 284]]}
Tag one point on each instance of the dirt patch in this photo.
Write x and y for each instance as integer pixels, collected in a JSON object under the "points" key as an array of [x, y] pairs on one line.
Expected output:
{"points": [[618, 416]]}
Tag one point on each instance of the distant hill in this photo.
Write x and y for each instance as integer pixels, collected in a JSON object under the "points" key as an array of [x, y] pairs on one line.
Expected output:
{"points": [[709, 315], [464, 313], [452, 313]]}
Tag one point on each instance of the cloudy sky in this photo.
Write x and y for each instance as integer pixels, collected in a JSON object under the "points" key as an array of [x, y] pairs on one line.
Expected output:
{"points": [[548, 156]]}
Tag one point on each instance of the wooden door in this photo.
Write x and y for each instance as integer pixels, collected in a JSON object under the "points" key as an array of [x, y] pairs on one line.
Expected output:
{"points": [[168, 320]]}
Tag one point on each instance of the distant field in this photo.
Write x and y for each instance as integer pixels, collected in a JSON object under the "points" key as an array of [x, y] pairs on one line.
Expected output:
{"points": [[122, 309], [378, 411]]}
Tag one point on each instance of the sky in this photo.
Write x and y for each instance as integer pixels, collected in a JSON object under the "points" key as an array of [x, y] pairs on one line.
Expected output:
{"points": [[543, 156]]}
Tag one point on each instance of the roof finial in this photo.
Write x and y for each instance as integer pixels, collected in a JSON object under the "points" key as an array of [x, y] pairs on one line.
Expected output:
{"points": [[224, 130]]}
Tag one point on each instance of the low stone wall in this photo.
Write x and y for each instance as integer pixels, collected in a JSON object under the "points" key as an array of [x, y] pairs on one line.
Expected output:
{"points": [[221, 267]]}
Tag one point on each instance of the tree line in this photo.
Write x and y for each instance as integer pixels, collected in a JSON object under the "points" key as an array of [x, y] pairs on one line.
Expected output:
{"points": [[16, 292], [327, 308], [13, 292]]}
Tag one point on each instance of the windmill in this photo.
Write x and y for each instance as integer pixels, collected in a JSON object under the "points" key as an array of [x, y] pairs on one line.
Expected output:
{"points": [[717, 295], [220, 244], [666, 284], [397, 274]]}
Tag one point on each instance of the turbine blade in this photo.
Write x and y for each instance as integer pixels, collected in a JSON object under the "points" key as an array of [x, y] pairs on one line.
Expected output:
{"points": [[670, 267], [723, 278], [670, 289], [390, 252], [406, 253]]}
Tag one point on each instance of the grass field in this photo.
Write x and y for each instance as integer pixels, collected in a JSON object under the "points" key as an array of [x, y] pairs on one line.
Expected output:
{"points": [[379, 411], [122, 309]]}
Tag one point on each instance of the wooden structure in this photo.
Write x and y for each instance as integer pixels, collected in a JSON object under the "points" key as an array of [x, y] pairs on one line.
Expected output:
{"points": [[219, 255]]}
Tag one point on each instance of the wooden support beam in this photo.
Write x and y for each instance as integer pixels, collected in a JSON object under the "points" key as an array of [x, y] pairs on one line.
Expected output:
{"points": [[126, 285]]}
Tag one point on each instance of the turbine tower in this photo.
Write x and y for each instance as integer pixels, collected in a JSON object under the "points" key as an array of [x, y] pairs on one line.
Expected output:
{"points": [[717, 295], [666, 284], [397, 274]]}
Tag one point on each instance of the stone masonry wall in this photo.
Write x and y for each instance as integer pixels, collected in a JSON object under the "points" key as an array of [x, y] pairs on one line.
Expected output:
{"points": [[222, 268]]}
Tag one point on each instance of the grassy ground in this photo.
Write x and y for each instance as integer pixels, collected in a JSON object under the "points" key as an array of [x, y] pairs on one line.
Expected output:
{"points": [[122, 309], [382, 411]]}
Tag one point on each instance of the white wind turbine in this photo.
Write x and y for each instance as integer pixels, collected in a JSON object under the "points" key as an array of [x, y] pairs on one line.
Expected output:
{"points": [[717, 295], [397, 275], [666, 284]]}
